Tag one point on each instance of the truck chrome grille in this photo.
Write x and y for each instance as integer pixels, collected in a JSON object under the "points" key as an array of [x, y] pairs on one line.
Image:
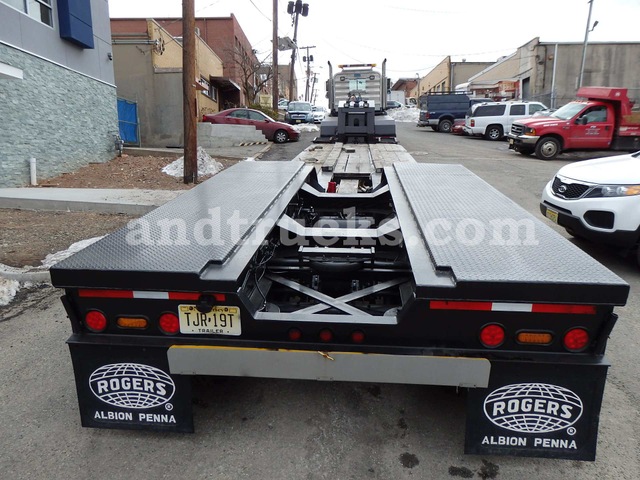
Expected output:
{"points": [[517, 129], [568, 190]]}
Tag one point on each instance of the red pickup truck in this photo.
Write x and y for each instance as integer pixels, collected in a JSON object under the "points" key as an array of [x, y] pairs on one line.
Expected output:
{"points": [[606, 120]]}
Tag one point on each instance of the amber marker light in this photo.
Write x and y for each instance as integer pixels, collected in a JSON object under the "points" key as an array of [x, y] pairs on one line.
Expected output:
{"points": [[132, 322], [534, 338]]}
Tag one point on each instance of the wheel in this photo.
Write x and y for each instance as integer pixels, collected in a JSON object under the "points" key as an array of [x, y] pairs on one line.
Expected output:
{"points": [[435, 129], [445, 126], [493, 132], [280, 136], [547, 148]]}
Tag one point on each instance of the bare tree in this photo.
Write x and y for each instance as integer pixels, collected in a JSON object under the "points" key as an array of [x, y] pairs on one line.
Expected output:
{"points": [[255, 74]]}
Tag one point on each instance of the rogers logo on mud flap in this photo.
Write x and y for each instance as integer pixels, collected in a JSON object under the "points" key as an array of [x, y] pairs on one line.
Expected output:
{"points": [[533, 407], [132, 385]]}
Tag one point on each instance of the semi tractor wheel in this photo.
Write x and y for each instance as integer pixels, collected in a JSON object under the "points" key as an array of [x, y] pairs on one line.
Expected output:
{"points": [[547, 148]]}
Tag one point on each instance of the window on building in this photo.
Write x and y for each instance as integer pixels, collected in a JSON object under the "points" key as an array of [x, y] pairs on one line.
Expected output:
{"points": [[214, 93], [204, 83], [40, 10]]}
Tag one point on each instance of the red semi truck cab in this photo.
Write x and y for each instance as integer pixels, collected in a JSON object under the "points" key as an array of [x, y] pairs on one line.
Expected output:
{"points": [[605, 120]]}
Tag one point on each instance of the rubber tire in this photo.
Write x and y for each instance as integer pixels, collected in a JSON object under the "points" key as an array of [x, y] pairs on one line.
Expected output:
{"points": [[280, 136], [445, 126], [547, 148], [493, 132]]}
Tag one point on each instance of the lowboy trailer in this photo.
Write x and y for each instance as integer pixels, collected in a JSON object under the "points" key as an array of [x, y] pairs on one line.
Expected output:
{"points": [[350, 263]]}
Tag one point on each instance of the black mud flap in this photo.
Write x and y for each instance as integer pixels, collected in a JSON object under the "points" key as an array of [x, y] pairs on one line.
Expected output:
{"points": [[130, 388], [537, 409]]}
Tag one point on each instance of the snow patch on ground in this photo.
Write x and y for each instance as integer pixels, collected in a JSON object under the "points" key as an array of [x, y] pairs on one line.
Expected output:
{"points": [[408, 115], [8, 290], [306, 127], [53, 258], [206, 165], [13, 279]]}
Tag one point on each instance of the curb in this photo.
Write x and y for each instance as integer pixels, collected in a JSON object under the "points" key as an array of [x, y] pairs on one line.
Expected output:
{"points": [[22, 276], [249, 144]]}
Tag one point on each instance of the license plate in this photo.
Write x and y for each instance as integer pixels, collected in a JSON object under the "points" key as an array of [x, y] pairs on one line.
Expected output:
{"points": [[552, 215], [511, 141], [221, 320]]}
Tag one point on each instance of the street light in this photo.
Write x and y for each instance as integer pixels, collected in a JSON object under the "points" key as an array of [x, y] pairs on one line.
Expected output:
{"points": [[586, 39]]}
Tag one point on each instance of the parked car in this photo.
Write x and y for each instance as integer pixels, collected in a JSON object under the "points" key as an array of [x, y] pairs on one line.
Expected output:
{"points": [[458, 127], [319, 113], [439, 110], [282, 104], [393, 104], [299, 112], [274, 131], [492, 120], [598, 200]]}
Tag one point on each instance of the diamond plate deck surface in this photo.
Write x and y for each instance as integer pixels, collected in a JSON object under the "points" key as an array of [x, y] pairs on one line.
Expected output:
{"points": [[244, 191], [450, 195]]}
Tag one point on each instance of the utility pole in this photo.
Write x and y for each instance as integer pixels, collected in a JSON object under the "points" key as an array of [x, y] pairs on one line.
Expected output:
{"points": [[295, 9], [189, 91], [308, 58], [313, 88], [274, 54], [586, 39]]}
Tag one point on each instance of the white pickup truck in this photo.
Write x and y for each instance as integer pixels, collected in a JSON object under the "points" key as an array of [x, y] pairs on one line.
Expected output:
{"points": [[598, 200]]}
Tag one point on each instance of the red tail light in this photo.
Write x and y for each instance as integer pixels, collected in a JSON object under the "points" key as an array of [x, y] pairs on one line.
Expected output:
{"points": [[169, 323], [357, 336], [492, 335], [294, 334], [576, 339], [472, 123], [326, 335], [95, 321]]}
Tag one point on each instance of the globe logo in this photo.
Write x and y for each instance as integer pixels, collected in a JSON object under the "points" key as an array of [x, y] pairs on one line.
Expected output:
{"points": [[132, 385], [533, 407]]}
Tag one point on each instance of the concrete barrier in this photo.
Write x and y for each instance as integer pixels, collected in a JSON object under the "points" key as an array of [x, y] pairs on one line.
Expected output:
{"points": [[212, 135]]}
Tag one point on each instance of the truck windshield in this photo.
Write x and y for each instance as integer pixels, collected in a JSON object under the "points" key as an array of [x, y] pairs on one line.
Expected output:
{"points": [[568, 111]]}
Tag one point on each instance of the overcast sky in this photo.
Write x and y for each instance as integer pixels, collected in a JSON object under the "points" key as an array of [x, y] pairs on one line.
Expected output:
{"points": [[414, 36]]}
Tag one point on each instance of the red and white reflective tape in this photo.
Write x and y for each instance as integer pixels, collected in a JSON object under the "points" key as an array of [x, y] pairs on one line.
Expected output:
{"points": [[513, 307], [143, 294]]}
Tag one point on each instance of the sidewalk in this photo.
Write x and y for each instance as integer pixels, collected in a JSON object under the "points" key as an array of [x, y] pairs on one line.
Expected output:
{"points": [[130, 201]]}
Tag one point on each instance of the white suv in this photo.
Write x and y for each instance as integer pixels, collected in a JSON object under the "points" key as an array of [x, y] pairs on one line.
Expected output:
{"points": [[598, 200], [492, 120]]}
